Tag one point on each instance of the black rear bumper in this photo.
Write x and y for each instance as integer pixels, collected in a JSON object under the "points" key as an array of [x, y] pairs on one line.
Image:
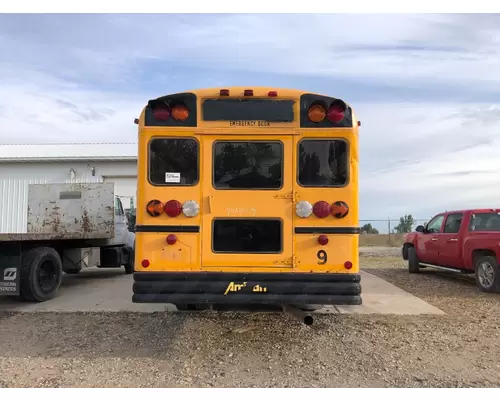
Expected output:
{"points": [[246, 288]]}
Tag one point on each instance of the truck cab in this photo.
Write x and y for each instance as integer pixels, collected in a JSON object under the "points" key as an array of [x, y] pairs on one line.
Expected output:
{"points": [[466, 241]]}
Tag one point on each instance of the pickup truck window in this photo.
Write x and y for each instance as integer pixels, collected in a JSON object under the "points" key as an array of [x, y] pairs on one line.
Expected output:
{"points": [[434, 226], [485, 222], [453, 223]]}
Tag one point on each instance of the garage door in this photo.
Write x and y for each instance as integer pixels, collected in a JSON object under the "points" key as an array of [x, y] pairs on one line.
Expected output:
{"points": [[125, 186]]}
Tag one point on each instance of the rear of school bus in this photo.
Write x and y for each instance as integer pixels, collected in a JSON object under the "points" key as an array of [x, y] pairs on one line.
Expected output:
{"points": [[247, 198]]}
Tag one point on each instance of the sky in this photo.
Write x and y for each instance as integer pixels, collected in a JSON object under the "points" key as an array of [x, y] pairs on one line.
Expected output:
{"points": [[426, 87]]}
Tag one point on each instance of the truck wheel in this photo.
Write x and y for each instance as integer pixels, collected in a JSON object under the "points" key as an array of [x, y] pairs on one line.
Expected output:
{"points": [[129, 266], [487, 274], [413, 264], [41, 274]]}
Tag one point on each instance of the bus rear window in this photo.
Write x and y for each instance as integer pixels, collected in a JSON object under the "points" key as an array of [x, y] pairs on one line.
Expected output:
{"points": [[173, 162], [248, 165], [322, 163]]}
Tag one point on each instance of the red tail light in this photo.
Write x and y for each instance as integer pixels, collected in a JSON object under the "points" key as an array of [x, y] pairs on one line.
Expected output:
{"points": [[340, 209], [161, 113], [323, 240], [224, 92], [321, 209], [171, 239], [180, 113], [145, 263], [154, 208], [336, 113], [173, 208], [248, 92], [273, 93]]}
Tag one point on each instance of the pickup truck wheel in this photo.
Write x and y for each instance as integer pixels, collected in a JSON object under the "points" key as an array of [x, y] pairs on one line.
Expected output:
{"points": [[41, 274], [129, 266], [488, 274], [413, 263]]}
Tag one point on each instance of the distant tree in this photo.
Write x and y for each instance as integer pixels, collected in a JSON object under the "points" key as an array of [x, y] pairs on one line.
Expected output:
{"points": [[405, 224], [369, 229]]}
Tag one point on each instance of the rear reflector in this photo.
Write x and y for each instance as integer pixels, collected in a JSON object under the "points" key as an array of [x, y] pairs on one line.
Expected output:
{"points": [[145, 263], [171, 239], [323, 240], [348, 265]]}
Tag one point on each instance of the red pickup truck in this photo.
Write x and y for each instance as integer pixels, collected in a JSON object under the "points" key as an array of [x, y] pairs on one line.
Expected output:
{"points": [[465, 241]]}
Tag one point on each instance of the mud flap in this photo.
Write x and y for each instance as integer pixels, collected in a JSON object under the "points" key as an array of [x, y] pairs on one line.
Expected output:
{"points": [[10, 269]]}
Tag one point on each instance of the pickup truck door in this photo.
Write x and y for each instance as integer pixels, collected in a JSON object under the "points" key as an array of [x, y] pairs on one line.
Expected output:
{"points": [[427, 242], [450, 243]]}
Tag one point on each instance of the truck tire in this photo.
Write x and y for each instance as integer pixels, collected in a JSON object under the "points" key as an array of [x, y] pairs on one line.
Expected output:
{"points": [[413, 263], [129, 266], [487, 274], [41, 274]]}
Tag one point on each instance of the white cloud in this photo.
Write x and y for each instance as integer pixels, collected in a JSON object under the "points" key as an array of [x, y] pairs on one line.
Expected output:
{"points": [[83, 78]]}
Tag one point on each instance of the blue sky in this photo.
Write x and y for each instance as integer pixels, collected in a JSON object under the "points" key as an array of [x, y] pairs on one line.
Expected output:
{"points": [[426, 87]]}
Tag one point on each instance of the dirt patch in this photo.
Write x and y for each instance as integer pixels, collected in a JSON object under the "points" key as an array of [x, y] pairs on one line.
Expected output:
{"points": [[459, 349]]}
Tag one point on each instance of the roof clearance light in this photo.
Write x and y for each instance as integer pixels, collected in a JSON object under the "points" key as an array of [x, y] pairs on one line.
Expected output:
{"points": [[303, 209], [173, 208], [180, 113], [224, 92], [248, 92], [273, 93], [321, 209], [340, 209], [316, 113], [154, 208], [336, 112], [161, 112], [190, 208]]}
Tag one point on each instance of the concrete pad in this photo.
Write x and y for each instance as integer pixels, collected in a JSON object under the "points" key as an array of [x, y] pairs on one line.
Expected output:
{"points": [[382, 297], [111, 290]]}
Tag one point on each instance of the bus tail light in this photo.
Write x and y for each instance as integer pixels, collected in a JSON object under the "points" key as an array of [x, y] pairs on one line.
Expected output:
{"points": [[303, 209], [190, 208], [321, 209], [323, 240], [154, 208], [224, 92], [340, 209], [180, 113], [248, 92], [173, 208], [161, 112], [336, 112], [316, 113], [171, 239], [273, 93]]}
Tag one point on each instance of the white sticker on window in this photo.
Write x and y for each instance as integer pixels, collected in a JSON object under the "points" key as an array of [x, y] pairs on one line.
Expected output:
{"points": [[172, 177]]}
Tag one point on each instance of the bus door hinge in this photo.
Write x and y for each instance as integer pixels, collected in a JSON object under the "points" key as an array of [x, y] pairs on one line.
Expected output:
{"points": [[292, 261], [289, 196]]}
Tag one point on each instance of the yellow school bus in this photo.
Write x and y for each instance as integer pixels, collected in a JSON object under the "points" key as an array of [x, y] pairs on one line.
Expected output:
{"points": [[247, 198]]}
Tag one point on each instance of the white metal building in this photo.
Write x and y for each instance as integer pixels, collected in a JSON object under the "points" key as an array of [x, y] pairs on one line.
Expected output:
{"points": [[21, 165]]}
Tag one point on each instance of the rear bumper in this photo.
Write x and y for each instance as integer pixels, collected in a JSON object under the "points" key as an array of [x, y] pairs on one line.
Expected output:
{"points": [[246, 288]]}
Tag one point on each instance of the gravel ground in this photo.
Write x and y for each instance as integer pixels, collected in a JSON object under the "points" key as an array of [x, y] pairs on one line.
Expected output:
{"points": [[265, 350]]}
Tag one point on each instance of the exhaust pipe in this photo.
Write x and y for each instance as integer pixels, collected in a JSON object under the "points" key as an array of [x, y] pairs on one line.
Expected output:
{"points": [[304, 317]]}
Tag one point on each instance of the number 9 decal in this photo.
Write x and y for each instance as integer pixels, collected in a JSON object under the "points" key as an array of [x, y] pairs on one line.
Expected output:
{"points": [[322, 257]]}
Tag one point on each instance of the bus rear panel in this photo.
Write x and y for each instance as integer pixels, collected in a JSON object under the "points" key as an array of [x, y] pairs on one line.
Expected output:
{"points": [[247, 197]]}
